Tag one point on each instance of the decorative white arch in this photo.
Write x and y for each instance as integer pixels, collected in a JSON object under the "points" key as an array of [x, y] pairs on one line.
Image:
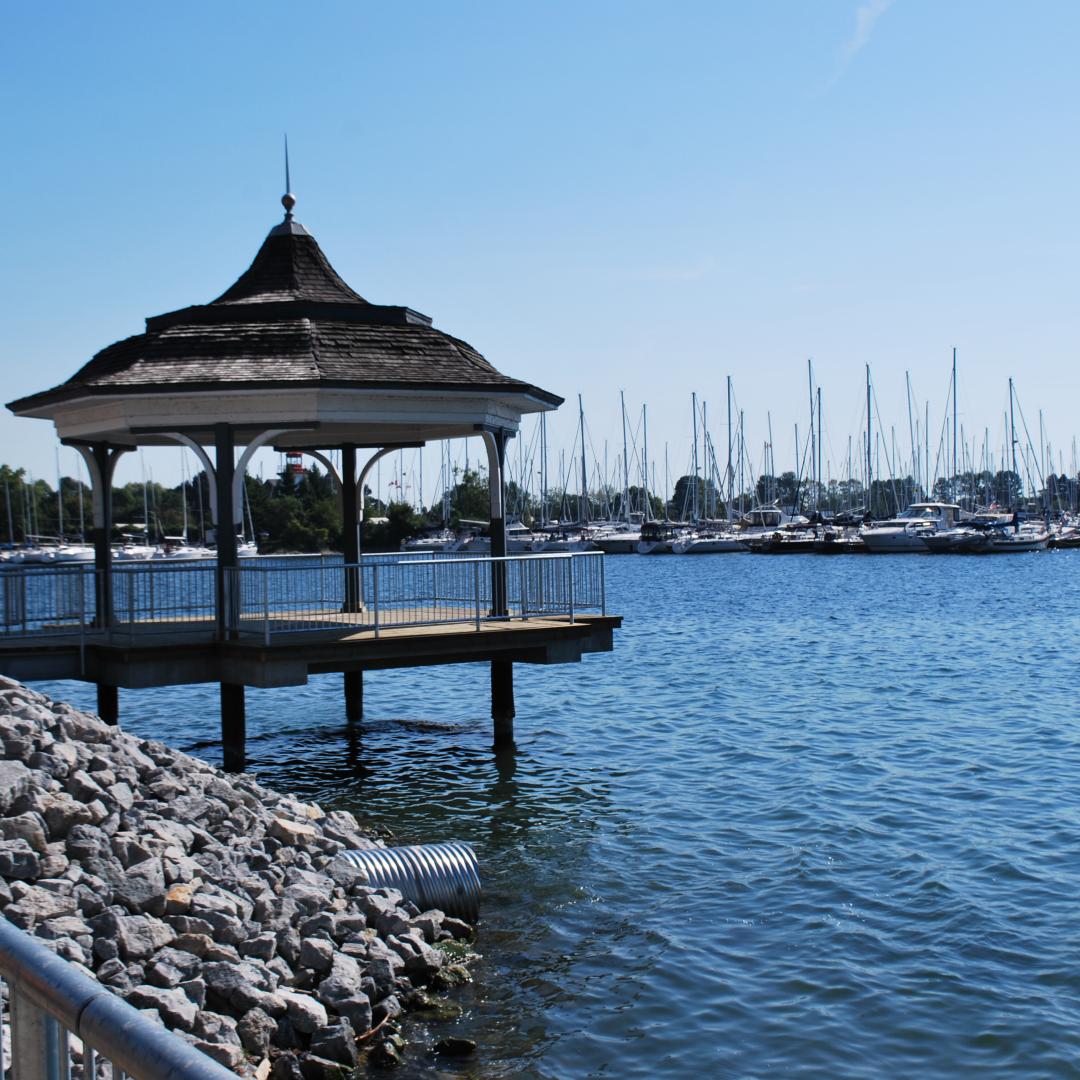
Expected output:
{"points": [[241, 465], [207, 464], [364, 473], [495, 484], [318, 455]]}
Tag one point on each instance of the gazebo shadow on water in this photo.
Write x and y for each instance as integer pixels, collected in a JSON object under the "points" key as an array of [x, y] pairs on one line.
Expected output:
{"points": [[290, 357]]}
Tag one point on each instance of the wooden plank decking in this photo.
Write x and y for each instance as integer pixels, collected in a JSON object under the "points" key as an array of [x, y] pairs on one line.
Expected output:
{"points": [[161, 653]]}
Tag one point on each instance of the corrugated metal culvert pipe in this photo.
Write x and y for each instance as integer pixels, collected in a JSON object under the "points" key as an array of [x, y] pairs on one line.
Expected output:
{"points": [[443, 876]]}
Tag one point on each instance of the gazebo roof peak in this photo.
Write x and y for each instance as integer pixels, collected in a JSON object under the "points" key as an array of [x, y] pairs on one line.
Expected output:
{"points": [[288, 227], [290, 265]]}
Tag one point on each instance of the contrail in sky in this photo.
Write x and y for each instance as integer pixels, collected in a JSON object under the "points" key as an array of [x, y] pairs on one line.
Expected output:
{"points": [[866, 15]]}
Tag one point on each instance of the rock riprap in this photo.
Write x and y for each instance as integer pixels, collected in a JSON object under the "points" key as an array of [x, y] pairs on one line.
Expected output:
{"points": [[220, 906]]}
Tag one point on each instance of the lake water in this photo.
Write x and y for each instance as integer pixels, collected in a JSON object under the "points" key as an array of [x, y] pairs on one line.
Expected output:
{"points": [[813, 816]]}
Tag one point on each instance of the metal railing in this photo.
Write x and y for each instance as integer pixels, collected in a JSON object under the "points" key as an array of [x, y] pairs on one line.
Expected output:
{"points": [[273, 595], [46, 600], [387, 591], [63, 1021], [161, 597]]}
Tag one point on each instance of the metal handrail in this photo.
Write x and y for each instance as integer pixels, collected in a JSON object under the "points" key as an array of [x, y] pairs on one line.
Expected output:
{"points": [[381, 591], [50, 998], [384, 592]]}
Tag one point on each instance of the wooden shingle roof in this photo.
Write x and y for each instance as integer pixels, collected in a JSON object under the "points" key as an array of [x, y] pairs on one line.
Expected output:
{"points": [[288, 321]]}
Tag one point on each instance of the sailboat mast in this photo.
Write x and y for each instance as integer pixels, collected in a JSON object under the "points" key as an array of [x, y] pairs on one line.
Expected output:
{"points": [[694, 497], [817, 490], [584, 507], [625, 462], [59, 499], [869, 446], [911, 432], [813, 440], [543, 469], [705, 450], [955, 421], [145, 509], [183, 489], [645, 459], [742, 446], [730, 474], [770, 487], [10, 522], [1012, 432]]}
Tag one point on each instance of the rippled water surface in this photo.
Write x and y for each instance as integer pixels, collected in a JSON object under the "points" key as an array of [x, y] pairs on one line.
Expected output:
{"points": [[811, 817]]}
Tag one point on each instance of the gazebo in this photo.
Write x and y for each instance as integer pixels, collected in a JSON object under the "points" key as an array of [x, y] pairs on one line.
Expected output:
{"points": [[288, 357]]}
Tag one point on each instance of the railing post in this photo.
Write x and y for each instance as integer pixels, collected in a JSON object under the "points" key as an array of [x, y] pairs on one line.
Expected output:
{"points": [[131, 605], [375, 594], [603, 584], [266, 605], [570, 568], [35, 1040], [150, 575], [476, 591]]}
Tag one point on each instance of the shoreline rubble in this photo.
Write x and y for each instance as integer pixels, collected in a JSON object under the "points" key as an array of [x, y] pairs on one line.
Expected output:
{"points": [[222, 907]]}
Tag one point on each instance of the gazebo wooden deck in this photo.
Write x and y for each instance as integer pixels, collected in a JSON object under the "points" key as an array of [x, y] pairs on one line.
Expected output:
{"points": [[290, 357]]}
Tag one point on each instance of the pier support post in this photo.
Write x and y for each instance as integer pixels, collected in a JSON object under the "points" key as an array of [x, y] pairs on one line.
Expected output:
{"points": [[354, 695], [233, 727], [108, 703], [502, 702]]}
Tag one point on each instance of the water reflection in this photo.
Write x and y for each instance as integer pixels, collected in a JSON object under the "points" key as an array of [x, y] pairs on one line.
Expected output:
{"points": [[811, 816]]}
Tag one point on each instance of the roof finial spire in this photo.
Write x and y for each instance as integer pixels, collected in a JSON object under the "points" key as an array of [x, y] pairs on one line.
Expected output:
{"points": [[288, 200]]}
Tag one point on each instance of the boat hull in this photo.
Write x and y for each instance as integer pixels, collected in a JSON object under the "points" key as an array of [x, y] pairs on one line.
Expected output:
{"points": [[893, 542]]}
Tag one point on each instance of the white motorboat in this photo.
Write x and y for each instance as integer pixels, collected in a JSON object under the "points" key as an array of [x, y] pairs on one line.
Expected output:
{"points": [[177, 549], [905, 533], [1030, 536], [133, 553], [618, 539], [709, 543], [658, 537], [436, 541], [561, 541]]}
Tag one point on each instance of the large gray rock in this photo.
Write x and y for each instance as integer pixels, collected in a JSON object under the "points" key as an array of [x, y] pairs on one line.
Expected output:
{"points": [[29, 827], [316, 953], [140, 936], [256, 1028], [303, 1011], [87, 842], [15, 779], [346, 999], [63, 813], [142, 888], [238, 987], [336, 1042], [174, 1006], [19, 861], [32, 905]]}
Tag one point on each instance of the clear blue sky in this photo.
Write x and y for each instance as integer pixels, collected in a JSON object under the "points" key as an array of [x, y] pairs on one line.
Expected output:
{"points": [[598, 196]]}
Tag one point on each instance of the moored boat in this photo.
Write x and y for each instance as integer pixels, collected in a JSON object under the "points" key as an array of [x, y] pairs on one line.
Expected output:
{"points": [[906, 532]]}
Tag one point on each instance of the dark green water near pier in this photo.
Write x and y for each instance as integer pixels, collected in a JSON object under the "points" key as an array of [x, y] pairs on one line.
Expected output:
{"points": [[813, 816]]}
